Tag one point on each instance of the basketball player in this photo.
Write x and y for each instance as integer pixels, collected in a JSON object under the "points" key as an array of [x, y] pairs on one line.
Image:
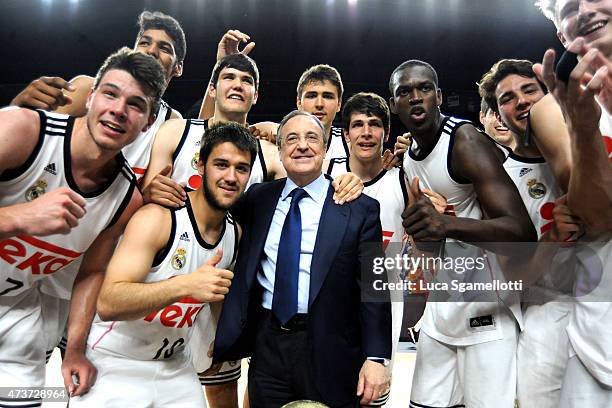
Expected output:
{"points": [[366, 126], [579, 148], [319, 92], [160, 36], [66, 195], [442, 154], [511, 88], [170, 263], [494, 128]]}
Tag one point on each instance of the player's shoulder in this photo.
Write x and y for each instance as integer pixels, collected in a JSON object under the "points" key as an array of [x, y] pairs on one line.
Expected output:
{"points": [[544, 107], [364, 204]]}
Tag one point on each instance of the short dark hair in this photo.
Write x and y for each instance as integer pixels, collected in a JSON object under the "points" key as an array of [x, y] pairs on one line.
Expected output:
{"points": [[145, 69], [157, 20], [367, 103], [320, 73], [231, 132], [293, 114], [240, 62], [410, 64], [500, 70]]}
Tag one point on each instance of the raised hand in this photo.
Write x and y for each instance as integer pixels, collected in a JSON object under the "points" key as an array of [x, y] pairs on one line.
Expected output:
{"points": [[230, 42], [209, 283], [420, 218]]}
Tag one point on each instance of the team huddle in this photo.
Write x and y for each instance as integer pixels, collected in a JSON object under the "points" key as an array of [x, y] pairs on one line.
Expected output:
{"points": [[158, 252]]}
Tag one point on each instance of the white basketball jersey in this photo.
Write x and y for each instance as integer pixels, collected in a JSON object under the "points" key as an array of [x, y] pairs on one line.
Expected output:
{"points": [[187, 154], [25, 259], [336, 145], [165, 333], [590, 326], [138, 153], [536, 183], [389, 189], [451, 321]]}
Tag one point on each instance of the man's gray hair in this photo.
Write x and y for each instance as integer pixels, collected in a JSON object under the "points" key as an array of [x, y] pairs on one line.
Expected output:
{"points": [[293, 114]]}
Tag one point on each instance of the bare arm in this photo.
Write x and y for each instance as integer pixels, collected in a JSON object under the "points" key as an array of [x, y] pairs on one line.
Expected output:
{"points": [[158, 186], [271, 156], [590, 183], [54, 212], [83, 301], [125, 296], [48, 93], [175, 114], [552, 138], [507, 219]]}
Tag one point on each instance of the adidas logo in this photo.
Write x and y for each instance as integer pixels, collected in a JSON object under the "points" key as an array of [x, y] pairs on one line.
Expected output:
{"points": [[51, 169], [184, 236], [524, 171]]}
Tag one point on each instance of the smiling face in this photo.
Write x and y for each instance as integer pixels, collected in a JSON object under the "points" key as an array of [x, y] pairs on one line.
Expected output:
{"points": [[302, 149], [366, 134], [590, 19], [159, 45], [234, 92], [225, 175], [118, 110], [416, 99], [320, 99], [496, 129], [515, 96]]}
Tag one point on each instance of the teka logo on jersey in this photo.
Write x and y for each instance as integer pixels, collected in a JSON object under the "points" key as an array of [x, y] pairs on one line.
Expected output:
{"points": [[42, 258], [178, 314]]}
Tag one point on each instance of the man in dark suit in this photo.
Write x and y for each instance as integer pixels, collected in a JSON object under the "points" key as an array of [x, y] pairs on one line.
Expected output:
{"points": [[295, 303]]}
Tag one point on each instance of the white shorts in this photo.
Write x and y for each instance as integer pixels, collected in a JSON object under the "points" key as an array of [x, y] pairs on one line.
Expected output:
{"points": [[55, 316], [22, 341], [477, 376], [542, 355], [580, 389], [124, 382]]}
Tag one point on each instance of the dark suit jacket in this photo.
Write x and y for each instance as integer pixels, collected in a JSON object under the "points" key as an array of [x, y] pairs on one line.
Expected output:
{"points": [[342, 330]]}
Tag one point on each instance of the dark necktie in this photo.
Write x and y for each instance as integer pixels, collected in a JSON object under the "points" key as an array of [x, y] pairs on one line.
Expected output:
{"points": [[284, 301]]}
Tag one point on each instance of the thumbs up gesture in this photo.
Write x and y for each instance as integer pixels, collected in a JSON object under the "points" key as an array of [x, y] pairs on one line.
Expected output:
{"points": [[209, 283], [420, 218], [164, 191]]}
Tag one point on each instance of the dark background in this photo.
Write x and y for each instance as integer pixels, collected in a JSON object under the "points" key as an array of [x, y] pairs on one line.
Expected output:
{"points": [[364, 39]]}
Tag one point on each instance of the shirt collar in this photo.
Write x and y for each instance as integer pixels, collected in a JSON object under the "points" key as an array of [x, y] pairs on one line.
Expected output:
{"points": [[317, 189]]}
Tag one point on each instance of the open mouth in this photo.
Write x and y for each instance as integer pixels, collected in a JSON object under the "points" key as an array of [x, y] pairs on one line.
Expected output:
{"points": [[523, 116], [366, 145], [501, 129], [236, 97], [592, 28], [319, 115], [112, 126], [418, 114]]}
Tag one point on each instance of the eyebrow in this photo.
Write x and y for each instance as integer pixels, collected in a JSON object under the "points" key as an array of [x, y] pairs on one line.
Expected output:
{"points": [[163, 42], [111, 85]]}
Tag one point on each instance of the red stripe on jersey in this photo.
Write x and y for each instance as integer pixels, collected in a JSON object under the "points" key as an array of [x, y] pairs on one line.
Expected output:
{"points": [[48, 246], [139, 171], [190, 300]]}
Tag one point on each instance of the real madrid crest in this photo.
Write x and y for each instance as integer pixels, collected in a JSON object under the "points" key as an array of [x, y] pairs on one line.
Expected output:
{"points": [[178, 259], [536, 189], [194, 161], [36, 190]]}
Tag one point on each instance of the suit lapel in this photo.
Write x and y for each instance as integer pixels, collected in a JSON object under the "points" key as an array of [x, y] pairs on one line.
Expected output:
{"points": [[333, 222], [262, 218]]}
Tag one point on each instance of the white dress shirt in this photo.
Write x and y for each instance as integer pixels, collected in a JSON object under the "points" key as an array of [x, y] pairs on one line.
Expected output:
{"points": [[311, 207]]}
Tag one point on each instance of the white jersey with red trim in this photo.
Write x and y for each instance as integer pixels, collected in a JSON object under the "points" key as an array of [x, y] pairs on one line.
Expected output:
{"points": [[337, 148], [389, 189], [536, 183], [187, 153], [165, 333], [25, 259], [138, 153], [454, 321]]}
